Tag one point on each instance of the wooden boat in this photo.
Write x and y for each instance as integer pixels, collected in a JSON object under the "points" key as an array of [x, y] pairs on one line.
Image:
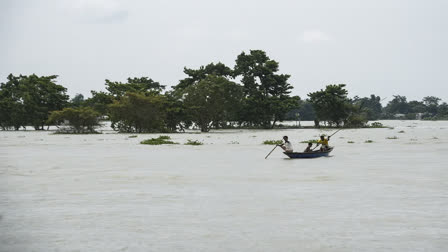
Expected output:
{"points": [[313, 154]]}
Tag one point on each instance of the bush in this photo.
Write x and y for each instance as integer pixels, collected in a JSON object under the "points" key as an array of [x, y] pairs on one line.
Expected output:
{"points": [[138, 113], [394, 137], [195, 142], [158, 141], [273, 142], [79, 120], [376, 125]]}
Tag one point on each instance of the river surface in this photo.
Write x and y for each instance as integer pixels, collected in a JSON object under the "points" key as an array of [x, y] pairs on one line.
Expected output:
{"points": [[107, 192]]}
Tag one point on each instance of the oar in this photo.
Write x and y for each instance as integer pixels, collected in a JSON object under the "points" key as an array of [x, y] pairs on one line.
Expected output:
{"points": [[271, 152], [329, 136], [335, 132]]}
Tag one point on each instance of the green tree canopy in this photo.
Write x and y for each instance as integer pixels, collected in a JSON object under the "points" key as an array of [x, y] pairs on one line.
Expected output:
{"points": [[212, 101], [80, 120], [266, 92], [196, 75], [331, 104], [371, 106], [134, 112], [28, 100], [398, 105], [143, 85]]}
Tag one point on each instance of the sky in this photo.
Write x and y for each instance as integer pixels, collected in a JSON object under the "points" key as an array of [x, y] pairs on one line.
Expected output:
{"points": [[381, 47]]}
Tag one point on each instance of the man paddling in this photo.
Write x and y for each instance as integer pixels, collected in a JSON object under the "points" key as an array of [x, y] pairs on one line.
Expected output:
{"points": [[324, 143], [287, 146]]}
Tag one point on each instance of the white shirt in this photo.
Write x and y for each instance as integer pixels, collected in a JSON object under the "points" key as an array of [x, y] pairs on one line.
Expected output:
{"points": [[288, 147]]}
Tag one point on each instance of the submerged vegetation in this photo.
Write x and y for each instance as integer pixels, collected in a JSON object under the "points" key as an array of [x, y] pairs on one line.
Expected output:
{"points": [[158, 141], [272, 142], [394, 137], [193, 142]]}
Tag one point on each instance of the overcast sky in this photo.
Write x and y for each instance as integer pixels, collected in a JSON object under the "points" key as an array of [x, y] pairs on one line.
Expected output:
{"points": [[381, 47]]}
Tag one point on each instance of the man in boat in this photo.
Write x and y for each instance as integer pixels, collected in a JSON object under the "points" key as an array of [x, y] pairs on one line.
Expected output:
{"points": [[324, 143], [308, 149], [287, 146]]}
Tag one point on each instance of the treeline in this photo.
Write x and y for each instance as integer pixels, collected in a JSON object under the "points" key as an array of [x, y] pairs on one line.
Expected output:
{"points": [[251, 94], [365, 109]]}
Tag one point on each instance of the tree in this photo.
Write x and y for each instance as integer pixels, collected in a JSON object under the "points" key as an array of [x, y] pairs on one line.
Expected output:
{"points": [[431, 103], [212, 101], [266, 92], [194, 76], [80, 120], [77, 101], [398, 105], [134, 112], [28, 100], [371, 106], [99, 101], [143, 85], [331, 104], [442, 111]]}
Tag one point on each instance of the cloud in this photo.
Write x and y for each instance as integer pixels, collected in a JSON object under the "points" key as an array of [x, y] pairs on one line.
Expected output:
{"points": [[100, 11], [311, 36]]}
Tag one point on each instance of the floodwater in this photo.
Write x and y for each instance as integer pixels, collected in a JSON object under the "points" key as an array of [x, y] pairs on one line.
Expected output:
{"points": [[107, 192]]}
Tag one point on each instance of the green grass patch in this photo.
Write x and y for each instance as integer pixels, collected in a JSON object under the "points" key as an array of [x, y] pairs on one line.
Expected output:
{"points": [[272, 142], [158, 141], [193, 142]]}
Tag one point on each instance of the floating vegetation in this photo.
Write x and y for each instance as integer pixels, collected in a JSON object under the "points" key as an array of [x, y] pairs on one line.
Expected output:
{"points": [[310, 141], [273, 142], [158, 141], [394, 137], [193, 142], [133, 136], [376, 125], [401, 131], [414, 139], [368, 141], [350, 142], [435, 138], [234, 142]]}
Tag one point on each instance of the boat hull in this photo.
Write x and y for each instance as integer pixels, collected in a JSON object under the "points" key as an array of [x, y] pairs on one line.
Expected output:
{"points": [[308, 154]]}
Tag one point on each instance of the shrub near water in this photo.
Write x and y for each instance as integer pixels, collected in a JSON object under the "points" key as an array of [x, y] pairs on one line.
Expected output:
{"points": [[273, 142], [80, 120], [193, 142], [158, 141]]}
